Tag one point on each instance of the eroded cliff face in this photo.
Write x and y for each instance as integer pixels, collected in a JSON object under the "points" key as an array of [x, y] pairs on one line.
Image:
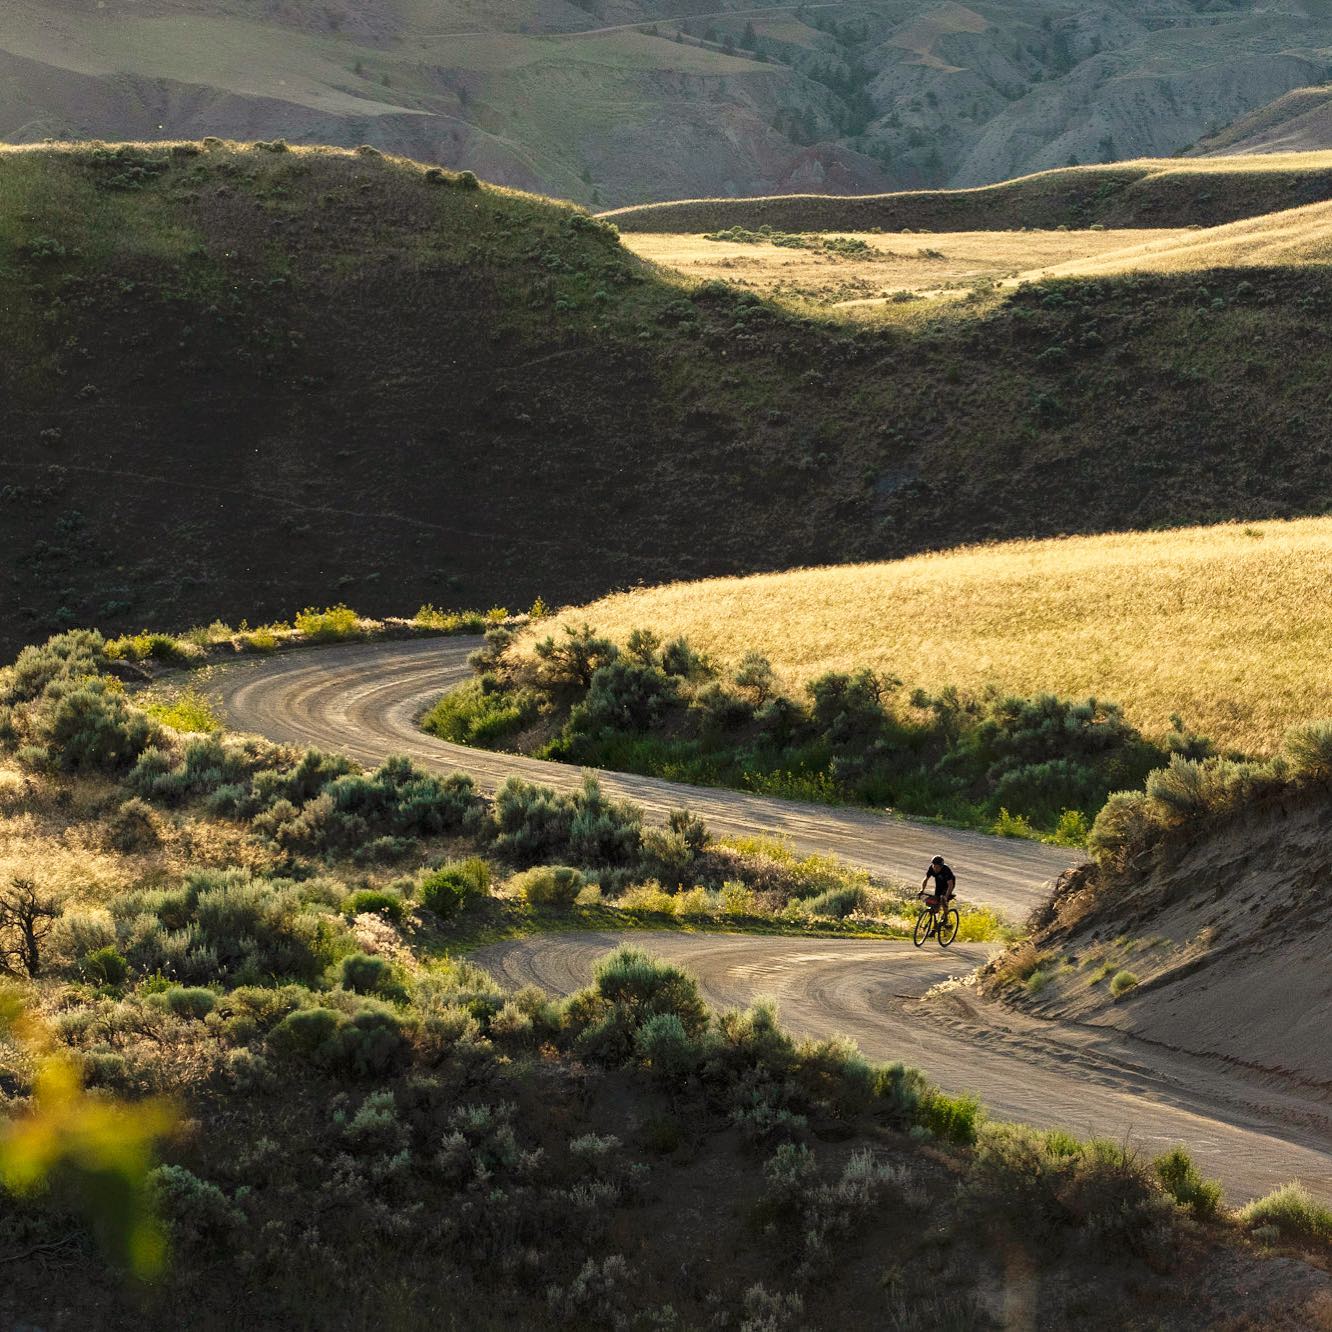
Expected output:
{"points": [[615, 102]]}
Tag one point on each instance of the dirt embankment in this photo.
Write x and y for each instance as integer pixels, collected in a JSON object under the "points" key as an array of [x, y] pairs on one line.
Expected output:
{"points": [[1217, 953]]}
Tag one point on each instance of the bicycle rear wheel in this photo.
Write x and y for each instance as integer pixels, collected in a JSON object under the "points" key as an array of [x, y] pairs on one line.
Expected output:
{"points": [[924, 926], [948, 927]]}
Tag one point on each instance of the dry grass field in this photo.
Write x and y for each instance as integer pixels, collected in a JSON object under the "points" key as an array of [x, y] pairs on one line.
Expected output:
{"points": [[1293, 236], [890, 263], [1228, 626]]}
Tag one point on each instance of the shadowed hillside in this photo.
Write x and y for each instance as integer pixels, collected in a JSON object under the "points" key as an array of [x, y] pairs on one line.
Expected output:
{"points": [[1128, 194], [243, 379]]}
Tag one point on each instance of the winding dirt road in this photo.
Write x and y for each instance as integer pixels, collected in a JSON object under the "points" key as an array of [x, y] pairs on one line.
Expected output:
{"points": [[363, 700], [1091, 1081]]}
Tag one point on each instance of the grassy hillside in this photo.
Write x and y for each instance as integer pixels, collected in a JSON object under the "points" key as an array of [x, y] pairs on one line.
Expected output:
{"points": [[245, 380], [1171, 193], [243, 1051], [838, 268], [1298, 121], [1224, 625], [1295, 237]]}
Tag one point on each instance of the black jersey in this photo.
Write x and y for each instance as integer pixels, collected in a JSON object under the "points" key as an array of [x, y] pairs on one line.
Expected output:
{"points": [[944, 878]]}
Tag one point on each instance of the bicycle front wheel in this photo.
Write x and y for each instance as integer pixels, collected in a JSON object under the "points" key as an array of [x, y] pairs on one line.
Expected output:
{"points": [[924, 926], [948, 927]]}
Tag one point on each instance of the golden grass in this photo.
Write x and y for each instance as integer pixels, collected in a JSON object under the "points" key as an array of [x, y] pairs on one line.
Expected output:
{"points": [[912, 262], [1294, 236], [1230, 626]]}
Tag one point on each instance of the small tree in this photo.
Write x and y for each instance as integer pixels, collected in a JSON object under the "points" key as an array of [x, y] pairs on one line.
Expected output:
{"points": [[574, 659], [755, 675], [26, 916]]}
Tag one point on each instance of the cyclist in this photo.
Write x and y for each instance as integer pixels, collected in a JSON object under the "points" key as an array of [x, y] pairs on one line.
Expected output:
{"points": [[945, 884]]}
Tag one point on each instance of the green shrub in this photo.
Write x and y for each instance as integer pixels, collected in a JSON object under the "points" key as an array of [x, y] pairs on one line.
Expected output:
{"points": [[227, 926], [190, 1001], [308, 1033], [77, 655], [548, 885], [1122, 982], [446, 890], [1308, 751], [837, 903], [1126, 828], [376, 902], [366, 974], [144, 646], [190, 712], [665, 1046], [197, 1213], [473, 715], [643, 987], [538, 823], [572, 661], [1182, 1180], [90, 727], [1050, 1186], [104, 966], [355, 811], [334, 624], [623, 695], [1294, 1212], [368, 1044], [953, 1118], [132, 827]]}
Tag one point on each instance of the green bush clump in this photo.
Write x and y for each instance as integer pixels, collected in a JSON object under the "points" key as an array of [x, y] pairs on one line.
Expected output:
{"points": [[1122, 982], [1294, 1212], [334, 624], [89, 727], [104, 966], [376, 902], [837, 903], [1182, 1180], [538, 823], [190, 1001], [77, 655], [396, 801], [548, 885], [205, 765], [1051, 1188], [225, 925], [132, 827], [364, 973], [472, 714], [145, 646], [196, 1212], [369, 1043], [447, 890]]}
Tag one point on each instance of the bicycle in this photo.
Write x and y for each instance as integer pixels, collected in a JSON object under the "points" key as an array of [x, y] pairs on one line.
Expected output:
{"points": [[931, 924]]}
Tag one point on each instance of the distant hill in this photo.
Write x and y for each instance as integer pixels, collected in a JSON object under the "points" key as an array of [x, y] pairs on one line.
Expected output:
{"points": [[1129, 194], [242, 380], [613, 102], [1296, 122]]}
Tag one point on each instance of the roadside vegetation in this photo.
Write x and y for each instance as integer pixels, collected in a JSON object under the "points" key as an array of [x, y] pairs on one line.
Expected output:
{"points": [[261, 936], [1223, 625], [1038, 766], [205, 644]]}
